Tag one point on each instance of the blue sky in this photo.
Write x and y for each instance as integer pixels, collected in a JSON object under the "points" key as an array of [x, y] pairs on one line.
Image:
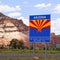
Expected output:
{"points": [[22, 9]]}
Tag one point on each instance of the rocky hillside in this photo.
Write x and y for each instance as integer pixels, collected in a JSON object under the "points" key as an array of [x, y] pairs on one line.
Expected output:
{"points": [[11, 28], [18, 23]]}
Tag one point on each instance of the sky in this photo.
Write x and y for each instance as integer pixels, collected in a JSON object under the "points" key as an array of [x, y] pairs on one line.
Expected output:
{"points": [[22, 9]]}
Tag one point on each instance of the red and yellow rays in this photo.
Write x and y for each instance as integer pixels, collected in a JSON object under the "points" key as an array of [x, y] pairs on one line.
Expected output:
{"points": [[39, 24]]}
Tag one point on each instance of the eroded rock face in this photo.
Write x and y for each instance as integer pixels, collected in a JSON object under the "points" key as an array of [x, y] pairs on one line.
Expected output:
{"points": [[12, 29]]}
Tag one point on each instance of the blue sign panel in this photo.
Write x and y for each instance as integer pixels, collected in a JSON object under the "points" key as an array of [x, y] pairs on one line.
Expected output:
{"points": [[39, 28]]}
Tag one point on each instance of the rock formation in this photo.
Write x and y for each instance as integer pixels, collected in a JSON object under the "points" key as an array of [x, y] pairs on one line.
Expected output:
{"points": [[11, 28]]}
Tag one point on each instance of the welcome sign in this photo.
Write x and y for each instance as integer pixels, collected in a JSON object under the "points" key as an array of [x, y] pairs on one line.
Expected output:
{"points": [[39, 28]]}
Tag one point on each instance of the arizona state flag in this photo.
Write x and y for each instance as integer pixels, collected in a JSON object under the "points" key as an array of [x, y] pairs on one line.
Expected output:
{"points": [[39, 28]]}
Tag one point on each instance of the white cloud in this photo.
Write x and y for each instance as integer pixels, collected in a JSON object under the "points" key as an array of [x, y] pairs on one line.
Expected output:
{"points": [[43, 5], [57, 8], [7, 8], [26, 21], [14, 14], [18, 7], [55, 26]]}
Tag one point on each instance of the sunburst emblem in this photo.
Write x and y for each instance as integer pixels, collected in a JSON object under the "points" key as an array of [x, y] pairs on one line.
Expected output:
{"points": [[39, 24]]}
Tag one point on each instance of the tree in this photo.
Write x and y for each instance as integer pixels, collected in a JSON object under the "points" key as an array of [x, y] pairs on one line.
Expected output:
{"points": [[20, 44], [14, 43]]}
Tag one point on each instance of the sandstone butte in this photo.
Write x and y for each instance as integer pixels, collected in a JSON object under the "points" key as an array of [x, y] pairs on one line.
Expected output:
{"points": [[11, 28]]}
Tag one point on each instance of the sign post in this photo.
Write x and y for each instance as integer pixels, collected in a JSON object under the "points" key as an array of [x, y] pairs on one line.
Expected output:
{"points": [[33, 49], [45, 51], [39, 29]]}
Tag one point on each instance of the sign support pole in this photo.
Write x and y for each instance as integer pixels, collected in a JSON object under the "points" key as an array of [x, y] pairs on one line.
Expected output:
{"points": [[45, 51], [33, 49]]}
